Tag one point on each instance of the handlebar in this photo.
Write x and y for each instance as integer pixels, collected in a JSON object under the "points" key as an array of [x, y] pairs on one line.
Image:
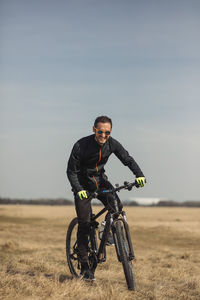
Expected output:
{"points": [[126, 186]]}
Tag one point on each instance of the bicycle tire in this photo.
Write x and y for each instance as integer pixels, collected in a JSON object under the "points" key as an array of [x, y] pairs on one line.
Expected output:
{"points": [[124, 255], [71, 248], [72, 252]]}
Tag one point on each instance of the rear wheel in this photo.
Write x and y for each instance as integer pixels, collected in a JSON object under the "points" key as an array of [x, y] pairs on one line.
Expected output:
{"points": [[72, 249], [72, 252], [123, 248]]}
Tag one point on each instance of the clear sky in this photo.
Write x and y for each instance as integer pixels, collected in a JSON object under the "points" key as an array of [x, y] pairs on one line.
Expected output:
{"points": [[62, 63]]}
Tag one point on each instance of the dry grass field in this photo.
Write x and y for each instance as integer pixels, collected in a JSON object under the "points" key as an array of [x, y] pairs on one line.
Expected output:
{"points": [[33, 263]]}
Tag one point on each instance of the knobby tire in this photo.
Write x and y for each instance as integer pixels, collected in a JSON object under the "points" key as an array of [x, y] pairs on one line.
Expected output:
{"points": [[124, 255]]}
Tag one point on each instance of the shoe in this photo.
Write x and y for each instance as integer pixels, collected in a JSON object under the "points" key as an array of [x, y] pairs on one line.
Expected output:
{"points": [[110, 241], [86, 273]]}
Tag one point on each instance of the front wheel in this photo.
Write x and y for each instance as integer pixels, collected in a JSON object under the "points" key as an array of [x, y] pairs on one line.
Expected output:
{"points": [[123, 255]]}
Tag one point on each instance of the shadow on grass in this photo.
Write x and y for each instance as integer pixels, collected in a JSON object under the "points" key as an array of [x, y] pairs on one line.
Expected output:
{"points": [[20, 220], [62, 277]]}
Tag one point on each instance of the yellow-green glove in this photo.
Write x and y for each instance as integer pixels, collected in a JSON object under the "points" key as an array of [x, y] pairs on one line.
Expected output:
{"points": [[82, 194], [141, 181]]}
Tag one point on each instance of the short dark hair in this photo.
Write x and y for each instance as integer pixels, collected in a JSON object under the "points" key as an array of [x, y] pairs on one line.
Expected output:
{"points": [[102, 119]]}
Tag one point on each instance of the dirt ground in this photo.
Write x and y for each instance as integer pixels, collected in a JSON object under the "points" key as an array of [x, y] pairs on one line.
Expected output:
{"points": [[33, 262]]}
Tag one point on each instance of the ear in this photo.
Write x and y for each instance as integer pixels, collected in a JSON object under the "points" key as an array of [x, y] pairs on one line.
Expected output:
{"points": [[93, 129]]}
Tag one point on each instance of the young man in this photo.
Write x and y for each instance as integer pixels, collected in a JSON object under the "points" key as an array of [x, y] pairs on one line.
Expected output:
{"points": [[85, 172]]}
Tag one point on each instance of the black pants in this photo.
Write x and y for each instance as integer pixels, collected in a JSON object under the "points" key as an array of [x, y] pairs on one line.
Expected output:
{"points": [[84, 210]]}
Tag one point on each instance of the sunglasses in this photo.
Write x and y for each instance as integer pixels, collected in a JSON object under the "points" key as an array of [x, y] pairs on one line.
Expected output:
{"points": [[100, 132]]}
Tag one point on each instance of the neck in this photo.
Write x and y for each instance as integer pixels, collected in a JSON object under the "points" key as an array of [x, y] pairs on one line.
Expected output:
{"points": [[98, 142]]}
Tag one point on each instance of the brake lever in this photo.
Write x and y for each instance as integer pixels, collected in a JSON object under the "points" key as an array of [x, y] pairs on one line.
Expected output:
{"points": [[129, 188]]}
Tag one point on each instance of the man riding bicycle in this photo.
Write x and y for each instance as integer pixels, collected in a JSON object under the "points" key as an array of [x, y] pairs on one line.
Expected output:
{"points": [[86, 174]]}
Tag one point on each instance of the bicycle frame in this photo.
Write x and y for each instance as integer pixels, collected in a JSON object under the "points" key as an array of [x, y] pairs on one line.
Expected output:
{"points": [[111, 218]]}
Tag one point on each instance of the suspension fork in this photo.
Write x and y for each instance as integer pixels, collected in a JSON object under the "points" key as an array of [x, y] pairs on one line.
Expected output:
{"points": [[128, 236], [127, 232]]}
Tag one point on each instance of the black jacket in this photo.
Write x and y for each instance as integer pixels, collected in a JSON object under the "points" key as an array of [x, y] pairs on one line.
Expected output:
{"points": [[87, 160]]}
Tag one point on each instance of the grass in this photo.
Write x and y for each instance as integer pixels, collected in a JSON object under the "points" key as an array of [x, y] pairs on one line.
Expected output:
{"points": [[33, 263]]}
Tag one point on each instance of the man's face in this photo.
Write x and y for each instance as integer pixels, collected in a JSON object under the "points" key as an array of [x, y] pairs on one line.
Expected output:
{"points": [[101, 132]]}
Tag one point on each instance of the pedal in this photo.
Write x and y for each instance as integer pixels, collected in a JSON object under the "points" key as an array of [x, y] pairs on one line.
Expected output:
{"points": [[102, 260]]}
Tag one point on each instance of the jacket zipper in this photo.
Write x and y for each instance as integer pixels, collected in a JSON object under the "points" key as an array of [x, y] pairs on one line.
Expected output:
{"points": [[98, 160], [97, 168]]}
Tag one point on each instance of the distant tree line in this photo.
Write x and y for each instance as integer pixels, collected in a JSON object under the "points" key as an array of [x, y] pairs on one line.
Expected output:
{"points": [[62, 201], [179, 204], [59, 201], [167, 203]]}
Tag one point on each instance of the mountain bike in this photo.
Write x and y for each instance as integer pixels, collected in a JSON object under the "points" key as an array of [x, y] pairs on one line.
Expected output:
{"points": [[116, 225]]}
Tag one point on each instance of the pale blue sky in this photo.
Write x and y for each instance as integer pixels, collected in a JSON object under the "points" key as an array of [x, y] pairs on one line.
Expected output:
{"points": [[62, 63]]}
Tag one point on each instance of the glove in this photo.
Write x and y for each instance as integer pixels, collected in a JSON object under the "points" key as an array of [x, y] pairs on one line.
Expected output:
{"points": [[140, 181], [82, 194]]}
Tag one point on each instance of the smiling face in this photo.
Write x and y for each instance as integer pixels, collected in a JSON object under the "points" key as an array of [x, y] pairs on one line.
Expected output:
{"points": [[102, 132]]}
